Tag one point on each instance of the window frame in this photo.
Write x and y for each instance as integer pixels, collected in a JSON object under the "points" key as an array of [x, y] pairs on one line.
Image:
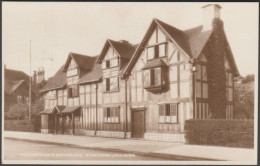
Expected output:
{"points": [[108, 61], [156, 50], [70, 93], [109, 84], [112, 112], [167, 107], [163, 77]]}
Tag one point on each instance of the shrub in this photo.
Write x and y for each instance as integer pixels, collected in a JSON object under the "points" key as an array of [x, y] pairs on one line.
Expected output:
{"points": [[234, 133]]}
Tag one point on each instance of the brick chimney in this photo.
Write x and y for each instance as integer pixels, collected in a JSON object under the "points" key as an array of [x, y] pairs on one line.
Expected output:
{"points": [[40, 74], [210, 12], [34, 81]]}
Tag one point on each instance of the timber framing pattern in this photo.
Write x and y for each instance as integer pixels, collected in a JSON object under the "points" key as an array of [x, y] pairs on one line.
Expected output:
{"points": [[144, 90]]}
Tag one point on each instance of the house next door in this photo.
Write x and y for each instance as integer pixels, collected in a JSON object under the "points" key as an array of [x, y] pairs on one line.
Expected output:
{"points": [[138, 123]]}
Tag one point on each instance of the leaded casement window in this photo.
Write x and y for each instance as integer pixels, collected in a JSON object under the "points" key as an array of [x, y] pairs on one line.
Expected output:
{"points": [[111, 84], [110, 63], [111, 114], [155, 77], [73, 91], [168, 113], [156, 51]]}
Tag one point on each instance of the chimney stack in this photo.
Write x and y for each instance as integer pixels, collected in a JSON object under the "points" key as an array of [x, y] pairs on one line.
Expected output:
{"points": [[34, 77], [210, 12], [40, 74]]}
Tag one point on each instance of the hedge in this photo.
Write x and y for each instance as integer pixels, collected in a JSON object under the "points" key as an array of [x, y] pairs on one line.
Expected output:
{"points": [[233, 133], [22, 125]]}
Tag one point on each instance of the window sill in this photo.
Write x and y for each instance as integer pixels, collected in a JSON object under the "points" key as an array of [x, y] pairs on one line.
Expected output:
{"points": [[168, 122], [73, 97], [111, 91], [155, 88], [111, 122], [157, 58], [110, 67]]}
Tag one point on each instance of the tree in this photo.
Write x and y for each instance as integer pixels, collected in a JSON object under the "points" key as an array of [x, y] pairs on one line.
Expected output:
{"points": [[21, 111], [244, 98], [17, 111]]}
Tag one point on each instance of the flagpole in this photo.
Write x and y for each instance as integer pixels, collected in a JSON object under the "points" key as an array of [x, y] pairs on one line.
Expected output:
{"points": [[30, 84]]}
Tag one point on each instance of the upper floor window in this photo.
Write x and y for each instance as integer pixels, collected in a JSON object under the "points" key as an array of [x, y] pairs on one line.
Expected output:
{"points": [[72, 69], [111, 84], [168, 113], [73, 91], [110, 63], [72, 80], [72, 72], [157, 51]]}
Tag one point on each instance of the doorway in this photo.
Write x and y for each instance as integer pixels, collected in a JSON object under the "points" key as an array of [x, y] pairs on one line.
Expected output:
{"points": [[138, 123]]}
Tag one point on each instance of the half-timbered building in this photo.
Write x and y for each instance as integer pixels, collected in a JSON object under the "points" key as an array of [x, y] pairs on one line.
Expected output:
{"points": [[146, 90]]}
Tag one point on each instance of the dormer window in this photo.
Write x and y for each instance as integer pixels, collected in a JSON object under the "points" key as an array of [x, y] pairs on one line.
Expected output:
{"points": [[156, 51], [110, 63]]}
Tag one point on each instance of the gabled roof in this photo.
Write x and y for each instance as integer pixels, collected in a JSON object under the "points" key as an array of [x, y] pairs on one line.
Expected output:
{"points": [[197, 39], [176, 35], [59, 80], [10, 87], [83, 61], [94, 74], [70, 109], [231, 58], [124, 50], [191, 42], [15, 75], [59, 108]]}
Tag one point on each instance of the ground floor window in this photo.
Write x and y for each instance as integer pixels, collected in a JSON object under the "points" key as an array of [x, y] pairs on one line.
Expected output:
{"points": [[111, 114], [168, 113]]}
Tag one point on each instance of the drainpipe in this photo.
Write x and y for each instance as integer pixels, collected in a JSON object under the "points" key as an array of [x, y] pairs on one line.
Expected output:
{"points": [[126, 122], [96, 124], [193, 62]]}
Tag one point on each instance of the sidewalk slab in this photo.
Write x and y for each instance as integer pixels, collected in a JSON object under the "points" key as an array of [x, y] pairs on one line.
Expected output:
{"points": [[141, 146]]}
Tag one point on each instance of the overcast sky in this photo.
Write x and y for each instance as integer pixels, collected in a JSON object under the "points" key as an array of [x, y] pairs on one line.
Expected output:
{"points": [[57, 28]]}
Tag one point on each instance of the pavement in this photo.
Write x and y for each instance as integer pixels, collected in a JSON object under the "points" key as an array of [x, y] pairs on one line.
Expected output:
{"points": [[140, 146]]}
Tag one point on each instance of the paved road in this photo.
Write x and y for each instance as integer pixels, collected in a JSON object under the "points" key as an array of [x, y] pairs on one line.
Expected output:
{"points": [[26, 150]]}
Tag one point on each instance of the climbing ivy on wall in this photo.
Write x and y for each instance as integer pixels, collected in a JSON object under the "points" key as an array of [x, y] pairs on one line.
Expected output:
{"points": [[215, 52]]}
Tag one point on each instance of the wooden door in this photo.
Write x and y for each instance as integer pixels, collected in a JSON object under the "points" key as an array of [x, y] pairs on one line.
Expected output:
{"points": [[59, 125], [138, 124]]}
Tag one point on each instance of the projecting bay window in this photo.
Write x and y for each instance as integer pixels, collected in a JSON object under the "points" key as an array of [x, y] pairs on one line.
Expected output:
{"points": [[73, 91], [168, 113], [111, 114], [155, 78], [156, 51], [110, 63], [111, 84]]}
